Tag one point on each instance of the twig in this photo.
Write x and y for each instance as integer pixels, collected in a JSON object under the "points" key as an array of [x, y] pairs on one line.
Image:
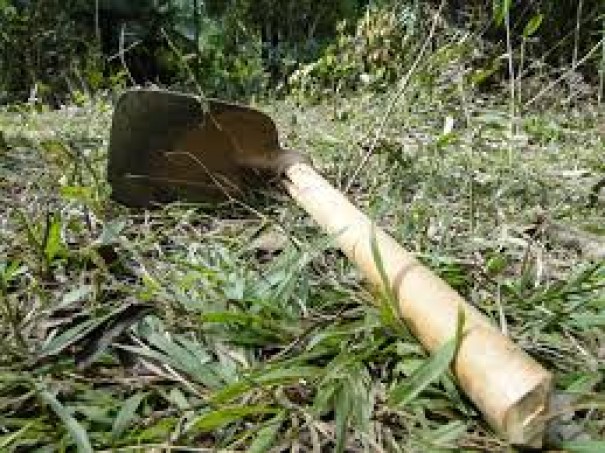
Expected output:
{"points": [[97, 28], [576, 44], [468, 119], [565, 74], [121, 53], [501, 315], [511, 75], [601, 69], [403, 86], [178, 53], [542, 58]]}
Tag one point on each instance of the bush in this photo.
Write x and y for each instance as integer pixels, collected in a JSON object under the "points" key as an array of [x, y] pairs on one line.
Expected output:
{"points": [[370, 52], [43, 51]]}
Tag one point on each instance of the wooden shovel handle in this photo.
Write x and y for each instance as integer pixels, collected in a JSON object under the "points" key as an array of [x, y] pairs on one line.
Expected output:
{"points": [[507, 385]]}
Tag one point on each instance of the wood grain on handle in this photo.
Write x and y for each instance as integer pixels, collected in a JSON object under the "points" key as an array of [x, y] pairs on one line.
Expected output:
{"points": [[507, 385]]}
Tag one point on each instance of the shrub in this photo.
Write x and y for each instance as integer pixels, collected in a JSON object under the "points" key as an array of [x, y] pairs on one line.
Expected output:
{"points": [[370, 52]]}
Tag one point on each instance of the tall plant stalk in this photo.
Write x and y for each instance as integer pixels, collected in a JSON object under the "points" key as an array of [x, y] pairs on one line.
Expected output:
{"points": [[576, 44], [511, 74], [602, 68], [197, 24]]}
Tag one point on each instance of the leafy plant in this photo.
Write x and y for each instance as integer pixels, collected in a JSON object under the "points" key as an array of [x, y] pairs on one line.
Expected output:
{"points": [[371, 52]]}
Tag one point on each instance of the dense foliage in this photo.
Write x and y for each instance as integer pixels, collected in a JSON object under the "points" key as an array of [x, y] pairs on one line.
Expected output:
{"points": [[52, 48]]}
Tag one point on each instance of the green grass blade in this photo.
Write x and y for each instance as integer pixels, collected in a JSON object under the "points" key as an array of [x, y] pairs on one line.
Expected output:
{"points": [[126, 415], [584, 446], [446, 435], [278, 375], [69, 337], [75, 430], [430, 371], [54, 245], [342, 409], [8, 439], [266, 436], [390, 306], [218, 418]]}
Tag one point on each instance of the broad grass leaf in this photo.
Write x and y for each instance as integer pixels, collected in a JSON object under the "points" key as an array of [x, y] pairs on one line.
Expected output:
{"points": [[274, 376], [342, 408], [430, 371], [586, 320], [259, 329], [501, 9], [581, 382], [126, 415], [111, 232], [177, 357], [424, 376], [287, 275], [218, 418], [75, 430], [177, 397], [103, 335], [82, 194], [190, 357], [584, 446], [54, 245], [159, 431], [10, 270], [341, 332], [225, 317], [75, 295], [325, 394], [345, 390], [390, 308], [446, 435], [95, 335], [69, 337], [533, 25], [266, 436]]}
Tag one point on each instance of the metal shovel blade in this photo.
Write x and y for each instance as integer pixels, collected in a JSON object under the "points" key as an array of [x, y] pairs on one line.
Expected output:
{"points": [[167, 146]]}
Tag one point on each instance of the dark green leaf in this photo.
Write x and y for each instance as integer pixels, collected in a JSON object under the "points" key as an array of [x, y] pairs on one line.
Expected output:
{"points": [[101, 337], [66, 339]]}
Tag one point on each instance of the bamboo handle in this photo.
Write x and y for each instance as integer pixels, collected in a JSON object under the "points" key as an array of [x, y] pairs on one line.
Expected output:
{"points": [[508, 386]]}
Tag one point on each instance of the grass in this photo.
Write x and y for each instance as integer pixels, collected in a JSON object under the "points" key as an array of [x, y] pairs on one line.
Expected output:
{"points": [[235, 329]]}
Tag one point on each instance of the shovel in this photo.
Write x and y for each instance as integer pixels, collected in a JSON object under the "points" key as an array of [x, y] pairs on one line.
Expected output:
{"points": [[168, 146]]}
